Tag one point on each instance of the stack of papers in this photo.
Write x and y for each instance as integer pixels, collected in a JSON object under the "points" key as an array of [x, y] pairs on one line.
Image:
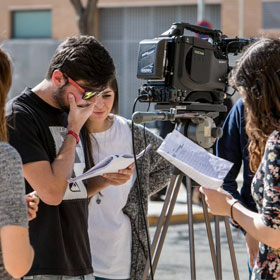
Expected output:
{"points": [[110, 164], [203, 167]]}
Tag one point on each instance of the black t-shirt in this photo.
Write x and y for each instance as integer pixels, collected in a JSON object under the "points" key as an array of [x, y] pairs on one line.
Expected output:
{"points": [[59, 233]]}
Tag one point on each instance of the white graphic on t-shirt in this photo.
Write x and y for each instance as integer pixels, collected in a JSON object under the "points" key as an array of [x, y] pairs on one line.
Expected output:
{"points": [[75, 190]]}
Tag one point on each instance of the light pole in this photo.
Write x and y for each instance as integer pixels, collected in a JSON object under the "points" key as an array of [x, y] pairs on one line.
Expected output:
{"points": [[200, 10], [241, 18]]}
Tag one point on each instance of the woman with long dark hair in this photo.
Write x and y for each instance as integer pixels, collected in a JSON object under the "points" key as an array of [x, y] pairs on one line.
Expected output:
{"points": [[257, 77], [16, 253]]}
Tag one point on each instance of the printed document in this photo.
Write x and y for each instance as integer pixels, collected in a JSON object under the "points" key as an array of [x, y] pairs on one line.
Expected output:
{"points": [[110, 164], [193, 160]]}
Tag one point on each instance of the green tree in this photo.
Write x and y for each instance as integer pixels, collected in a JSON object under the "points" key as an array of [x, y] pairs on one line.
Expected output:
{"points": [[85, 15]]}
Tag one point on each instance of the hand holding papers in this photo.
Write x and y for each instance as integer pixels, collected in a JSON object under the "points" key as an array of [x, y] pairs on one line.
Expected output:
{"points": [[203, 167], [110, 164]]}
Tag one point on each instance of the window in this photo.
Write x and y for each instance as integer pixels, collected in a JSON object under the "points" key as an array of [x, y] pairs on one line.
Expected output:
{"points": [[270, 15], [31, 24]]}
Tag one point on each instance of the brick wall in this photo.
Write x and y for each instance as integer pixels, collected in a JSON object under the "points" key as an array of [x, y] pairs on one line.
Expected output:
{"points": [[63, 16], [252, 17]]}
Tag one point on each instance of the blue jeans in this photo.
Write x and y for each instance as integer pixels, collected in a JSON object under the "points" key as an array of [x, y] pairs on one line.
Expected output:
{"points": [[59, 277], [100, 278]]}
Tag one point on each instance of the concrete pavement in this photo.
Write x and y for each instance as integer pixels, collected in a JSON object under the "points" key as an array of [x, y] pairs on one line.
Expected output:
{"points": [[174, 261]]}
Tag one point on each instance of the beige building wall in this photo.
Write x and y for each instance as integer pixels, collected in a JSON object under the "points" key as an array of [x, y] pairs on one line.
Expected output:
{"points": [[252, 17], [142, 3], [64, 22], [63, 16], [229, 17]]}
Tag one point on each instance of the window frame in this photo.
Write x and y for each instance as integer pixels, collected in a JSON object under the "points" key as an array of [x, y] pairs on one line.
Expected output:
{"points": [[30, 10]]}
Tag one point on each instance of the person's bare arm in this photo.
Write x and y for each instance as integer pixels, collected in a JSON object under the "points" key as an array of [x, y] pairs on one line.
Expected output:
{"points": [[220, 201], [16, 249], [50, 180], [252, 223], [15, 246], [252, 248]]}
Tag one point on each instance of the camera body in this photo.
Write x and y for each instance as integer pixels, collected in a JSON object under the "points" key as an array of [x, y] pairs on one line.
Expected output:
{"points": [[186, 70]]}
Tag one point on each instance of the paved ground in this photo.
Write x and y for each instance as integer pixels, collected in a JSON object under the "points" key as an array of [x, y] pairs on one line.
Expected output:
{"points": [[174, 262]]}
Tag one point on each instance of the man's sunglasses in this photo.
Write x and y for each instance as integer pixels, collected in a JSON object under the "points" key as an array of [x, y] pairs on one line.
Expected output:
{"points": [[86, 94]]}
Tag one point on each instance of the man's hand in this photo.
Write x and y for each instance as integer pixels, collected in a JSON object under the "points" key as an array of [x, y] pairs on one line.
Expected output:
{"points": [[32, 201], [252, 249], [78, 115]]}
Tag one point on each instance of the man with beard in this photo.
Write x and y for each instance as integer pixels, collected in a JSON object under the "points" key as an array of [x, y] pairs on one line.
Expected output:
{"points": [[44, 126]]}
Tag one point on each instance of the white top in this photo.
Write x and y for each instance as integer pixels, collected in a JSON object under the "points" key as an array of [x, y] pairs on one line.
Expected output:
{"points": [[109, 228]]}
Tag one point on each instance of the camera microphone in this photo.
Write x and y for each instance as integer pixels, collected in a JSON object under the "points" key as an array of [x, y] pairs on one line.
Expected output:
{"points": [[144, 117]]}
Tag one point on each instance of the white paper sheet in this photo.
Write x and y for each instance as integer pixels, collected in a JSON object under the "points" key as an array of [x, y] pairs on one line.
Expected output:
{"points": [[203, 167], [110, 164]]}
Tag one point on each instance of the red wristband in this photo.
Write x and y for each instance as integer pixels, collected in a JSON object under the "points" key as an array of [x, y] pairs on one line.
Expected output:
{"points": [[75, 135]]}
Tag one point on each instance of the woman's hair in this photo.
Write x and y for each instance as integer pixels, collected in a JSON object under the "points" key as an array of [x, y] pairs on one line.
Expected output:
{"points": [[5, 84], [257, 76], [113, 84]]}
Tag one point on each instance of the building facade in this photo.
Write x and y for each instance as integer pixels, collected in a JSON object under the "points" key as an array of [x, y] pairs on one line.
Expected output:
{"points": [[31, 30], [258, 16]]}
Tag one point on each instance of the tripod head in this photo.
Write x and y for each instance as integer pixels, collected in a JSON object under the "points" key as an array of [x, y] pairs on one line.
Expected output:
{"points": [[197, 126], [201, 130]]}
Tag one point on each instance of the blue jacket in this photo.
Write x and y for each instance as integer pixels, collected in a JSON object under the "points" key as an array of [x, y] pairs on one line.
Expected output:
{"points": [[233, 146]]}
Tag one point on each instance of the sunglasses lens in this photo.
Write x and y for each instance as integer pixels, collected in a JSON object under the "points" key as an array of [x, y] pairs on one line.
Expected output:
{"points": [[89, 95]]}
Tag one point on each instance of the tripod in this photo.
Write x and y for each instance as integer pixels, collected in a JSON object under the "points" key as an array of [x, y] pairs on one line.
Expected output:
{"points": [[163, 223]]}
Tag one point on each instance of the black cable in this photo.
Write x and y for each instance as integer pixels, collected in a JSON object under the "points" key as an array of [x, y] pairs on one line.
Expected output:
{"points": [[139, 191], [145, 140]]}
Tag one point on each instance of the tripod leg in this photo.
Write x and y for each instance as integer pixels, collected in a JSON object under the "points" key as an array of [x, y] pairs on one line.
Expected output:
{"points": [[231, 249], [210, 236], [218, 247], [160, 222], [166, 223], [191, 231]]}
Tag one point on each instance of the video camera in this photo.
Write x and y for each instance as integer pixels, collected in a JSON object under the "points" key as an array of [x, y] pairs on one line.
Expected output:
{"points": [[188, 76], [183, 69]]}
